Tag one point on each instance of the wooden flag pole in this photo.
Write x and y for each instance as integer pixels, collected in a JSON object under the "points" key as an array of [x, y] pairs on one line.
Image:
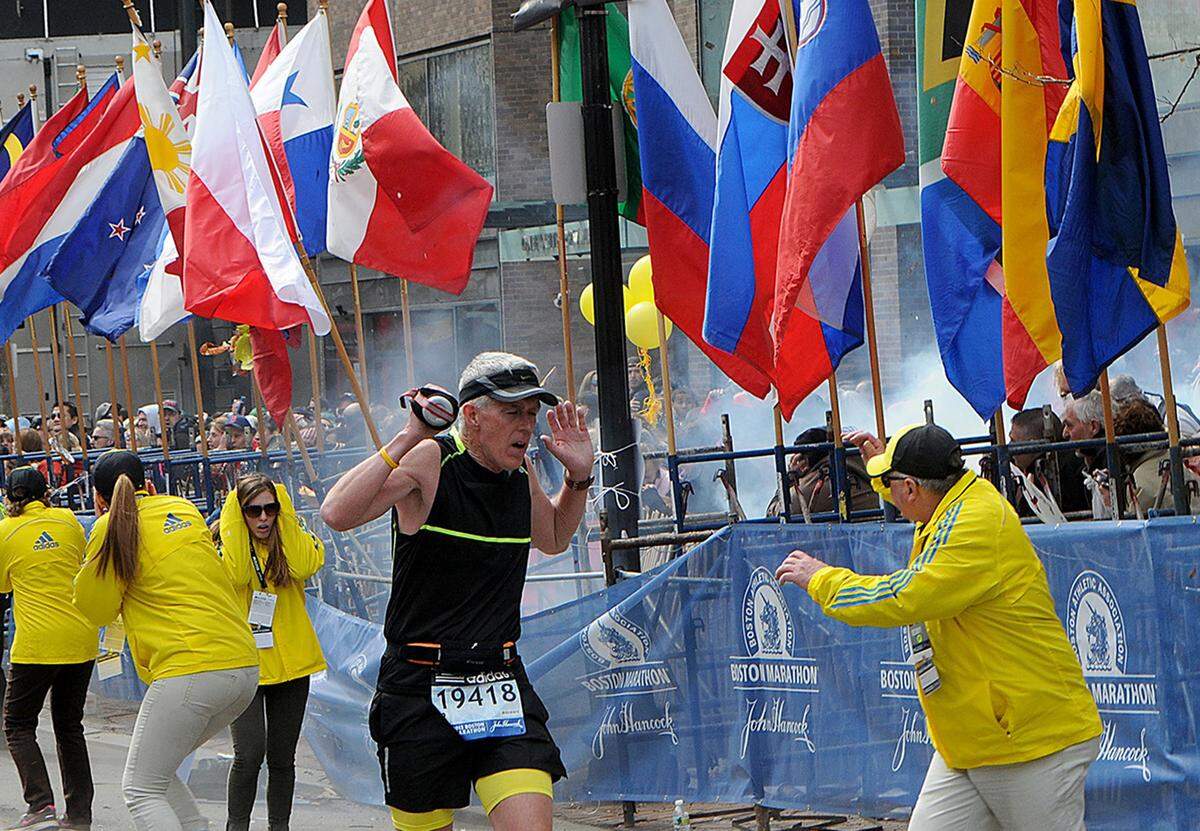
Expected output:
{"points": [[41, 388], [358, 330], [343, 355], [406, 315], [1179, 493], [114, 412], [158, 396], [564, 286], [864, 254], [201, 427], [83, 443], [1111, 451], [259, 421], [668, 403], [133, 445], [12, 394], [60, 385]]}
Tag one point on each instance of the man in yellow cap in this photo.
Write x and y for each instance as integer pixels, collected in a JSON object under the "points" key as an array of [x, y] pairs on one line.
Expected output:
{"points": [[1013, 725]]}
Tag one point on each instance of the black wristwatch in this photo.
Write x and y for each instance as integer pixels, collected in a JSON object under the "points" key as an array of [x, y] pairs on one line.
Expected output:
{"points": [[578, 486]]}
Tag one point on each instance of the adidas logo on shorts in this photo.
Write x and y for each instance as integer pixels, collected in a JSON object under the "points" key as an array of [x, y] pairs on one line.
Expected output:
{"points": [[174, 523], [44, 542]]}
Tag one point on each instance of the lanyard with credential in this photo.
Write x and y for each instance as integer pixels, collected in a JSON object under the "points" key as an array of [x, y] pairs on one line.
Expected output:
{"points": [[258, 570]]}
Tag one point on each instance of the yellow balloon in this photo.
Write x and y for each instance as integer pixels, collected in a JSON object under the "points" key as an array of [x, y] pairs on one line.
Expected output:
{"points": [[627, 298], [641, 286], [641, 325], [587, 305]]}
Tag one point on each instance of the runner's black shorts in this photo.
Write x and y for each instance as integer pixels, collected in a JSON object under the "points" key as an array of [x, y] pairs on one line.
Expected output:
{"points": [[426, 765]]}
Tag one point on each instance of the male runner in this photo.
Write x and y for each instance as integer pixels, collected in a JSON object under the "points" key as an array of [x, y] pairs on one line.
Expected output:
{"points": [[453, 704]]}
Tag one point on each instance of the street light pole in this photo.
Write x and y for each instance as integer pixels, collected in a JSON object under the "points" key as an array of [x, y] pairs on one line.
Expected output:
{"points": [[616, 422]]}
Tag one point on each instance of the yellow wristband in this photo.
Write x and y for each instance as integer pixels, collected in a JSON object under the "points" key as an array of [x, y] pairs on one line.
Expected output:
{"points": [[392, 463]]}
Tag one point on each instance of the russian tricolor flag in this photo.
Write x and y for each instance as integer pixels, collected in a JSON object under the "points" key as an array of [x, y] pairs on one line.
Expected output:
{"points": [[677, 138]]}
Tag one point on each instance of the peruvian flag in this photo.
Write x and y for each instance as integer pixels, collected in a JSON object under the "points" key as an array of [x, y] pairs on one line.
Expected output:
{"points": [[239, 263], [399, 202]]}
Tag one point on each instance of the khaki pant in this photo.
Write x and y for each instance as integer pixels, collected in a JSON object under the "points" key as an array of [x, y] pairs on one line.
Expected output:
{"points": [[1045, 794], [177, 716]]}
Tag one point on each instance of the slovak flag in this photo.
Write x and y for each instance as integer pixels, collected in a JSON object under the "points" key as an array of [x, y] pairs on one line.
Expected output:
{"points": [[295, 103], [399, 202], [676, 136], [752, 159], [239, 263], [844, 136]]}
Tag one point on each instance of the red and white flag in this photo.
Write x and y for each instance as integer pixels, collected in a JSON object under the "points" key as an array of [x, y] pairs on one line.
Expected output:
{"points": [[399, 202], [270, 52], [239, 263]]}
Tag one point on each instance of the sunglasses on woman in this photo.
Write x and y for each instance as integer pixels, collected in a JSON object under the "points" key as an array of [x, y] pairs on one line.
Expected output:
{"points": [[255, 511]]}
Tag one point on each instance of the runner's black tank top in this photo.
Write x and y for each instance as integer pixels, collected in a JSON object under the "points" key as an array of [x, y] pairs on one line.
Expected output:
{"points": [[459, 579]]}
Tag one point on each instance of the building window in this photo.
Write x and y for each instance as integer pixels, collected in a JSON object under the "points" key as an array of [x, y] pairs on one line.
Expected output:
{"points": [[451, 92], [70, 18], [445, 337]]}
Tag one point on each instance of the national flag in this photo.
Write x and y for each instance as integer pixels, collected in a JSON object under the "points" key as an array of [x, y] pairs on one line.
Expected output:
{"points": [[270, 52], [295, 101], [1117, 267], [112, 247], [960, 207], [15, 137], [166, 139], [399, 202], [751, 183], [621, 88], [54, 197], [844, 136], [273, 370], [239, 263], [677, 129], [185, 91], [1031, 49]]}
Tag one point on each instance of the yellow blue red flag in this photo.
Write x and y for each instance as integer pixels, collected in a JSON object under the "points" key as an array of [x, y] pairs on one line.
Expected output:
{"points": [[1115, 259], [15, 137]]}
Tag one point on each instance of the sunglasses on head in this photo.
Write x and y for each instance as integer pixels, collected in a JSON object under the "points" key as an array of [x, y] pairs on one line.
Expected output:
{"points": [[255, 511]]}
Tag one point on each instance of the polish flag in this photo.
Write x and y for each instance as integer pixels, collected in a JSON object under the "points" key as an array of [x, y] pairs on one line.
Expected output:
{"points": [[239, 263], [399, 202]]}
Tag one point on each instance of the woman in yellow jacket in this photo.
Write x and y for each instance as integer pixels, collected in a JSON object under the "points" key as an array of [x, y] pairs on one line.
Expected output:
{"points": [[41, 549], [269, 554], [151, 560]]}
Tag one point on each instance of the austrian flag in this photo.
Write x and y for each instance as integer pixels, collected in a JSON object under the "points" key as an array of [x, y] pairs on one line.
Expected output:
{"points": [[399, 202]]}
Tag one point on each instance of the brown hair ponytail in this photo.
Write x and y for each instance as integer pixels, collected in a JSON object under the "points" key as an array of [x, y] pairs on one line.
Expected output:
{"points": [[119, 550], [275, 569]]}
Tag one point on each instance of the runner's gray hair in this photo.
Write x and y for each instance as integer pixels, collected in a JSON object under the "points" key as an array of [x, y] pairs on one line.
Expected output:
{"points": [[485, 363]]}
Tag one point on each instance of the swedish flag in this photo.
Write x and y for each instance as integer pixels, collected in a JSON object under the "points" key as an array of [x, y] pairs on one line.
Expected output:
{"points": [[14, 138], [1115, 260]]}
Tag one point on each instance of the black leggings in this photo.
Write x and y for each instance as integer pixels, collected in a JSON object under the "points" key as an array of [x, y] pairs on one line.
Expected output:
{"points": [[270, 729]]}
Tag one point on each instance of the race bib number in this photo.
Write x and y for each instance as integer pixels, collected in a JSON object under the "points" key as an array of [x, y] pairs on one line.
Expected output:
{"points": [[482, 706], [262, 617]]}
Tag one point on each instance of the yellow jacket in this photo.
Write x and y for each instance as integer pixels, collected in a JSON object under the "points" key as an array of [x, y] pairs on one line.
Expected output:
{"points": [[40, 553], [181, 613], [1011, 689], [296, 652]]}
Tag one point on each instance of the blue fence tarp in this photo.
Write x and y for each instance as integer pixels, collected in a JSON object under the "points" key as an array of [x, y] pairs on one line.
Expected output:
{"points": [[703, 680]]}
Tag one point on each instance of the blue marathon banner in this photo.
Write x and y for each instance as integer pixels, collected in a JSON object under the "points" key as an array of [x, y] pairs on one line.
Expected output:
{"points": [[704, 680]]}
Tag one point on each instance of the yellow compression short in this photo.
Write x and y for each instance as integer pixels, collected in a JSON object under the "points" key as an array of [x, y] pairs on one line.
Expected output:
{"points": [[492, 791]]}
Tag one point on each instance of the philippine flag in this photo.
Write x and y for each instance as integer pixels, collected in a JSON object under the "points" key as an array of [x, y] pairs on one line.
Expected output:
{"points": [[295, 103], [239, 263], [677, 136]]}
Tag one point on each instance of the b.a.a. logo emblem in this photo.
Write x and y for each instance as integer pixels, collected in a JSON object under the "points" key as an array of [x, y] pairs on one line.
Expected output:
{"points": [[770, 661], [766, 621], [1097, 631], [621, 647]]}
